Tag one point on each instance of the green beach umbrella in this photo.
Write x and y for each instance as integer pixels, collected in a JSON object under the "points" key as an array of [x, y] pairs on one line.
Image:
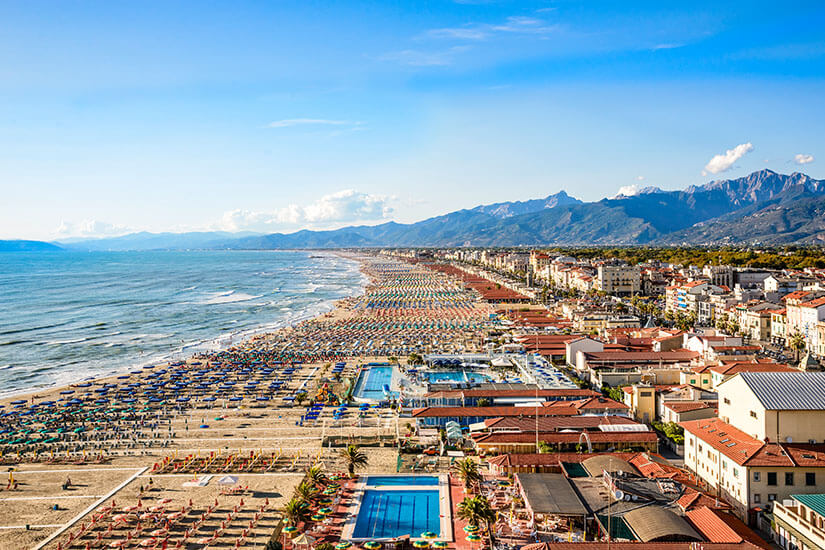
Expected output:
{"points": [[471, 529], [372, 545], [325, 511], [473, 538], [343, 545], [429, 535], [318, 517], [421, 544], [440, 544], [289, 529]]}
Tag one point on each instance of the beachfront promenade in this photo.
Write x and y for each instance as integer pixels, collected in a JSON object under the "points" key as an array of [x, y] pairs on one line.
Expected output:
{"points": [[206, 451]]}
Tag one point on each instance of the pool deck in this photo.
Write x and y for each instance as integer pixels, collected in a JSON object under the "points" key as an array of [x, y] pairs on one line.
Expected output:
{"points": [[445, 505]]}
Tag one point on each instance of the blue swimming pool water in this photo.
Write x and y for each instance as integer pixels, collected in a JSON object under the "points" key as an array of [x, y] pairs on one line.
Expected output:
{"points": [[371, 383], [378, 481], [389, 514], [456, 376]]}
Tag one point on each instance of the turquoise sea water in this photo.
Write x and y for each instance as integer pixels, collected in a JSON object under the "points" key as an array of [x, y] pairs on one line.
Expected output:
{"points": [[65, 316]]}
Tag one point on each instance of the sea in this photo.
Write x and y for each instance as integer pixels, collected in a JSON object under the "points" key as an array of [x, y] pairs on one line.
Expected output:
{"points": [[67, 316]]}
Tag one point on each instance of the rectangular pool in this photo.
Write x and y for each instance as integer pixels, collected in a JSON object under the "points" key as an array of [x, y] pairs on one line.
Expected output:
{"points": [[394, 481], [456, 376], [386, 507], [391, 514], [370, 384]]}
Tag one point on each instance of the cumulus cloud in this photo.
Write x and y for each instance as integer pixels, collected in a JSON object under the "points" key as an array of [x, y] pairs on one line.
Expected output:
{"points": [[90, 229], [803, 159], [347, 206], [640, 178], [725, 161], [627, 191]]}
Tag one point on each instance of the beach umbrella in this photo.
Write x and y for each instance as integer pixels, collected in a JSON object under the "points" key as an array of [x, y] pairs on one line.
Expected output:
{"points": [[471, 529], [325, 511], [440, 544], [473, 538], [343, 545], [289, 529], [429, 535], [372, 545], [318, 517], [421, 544]]}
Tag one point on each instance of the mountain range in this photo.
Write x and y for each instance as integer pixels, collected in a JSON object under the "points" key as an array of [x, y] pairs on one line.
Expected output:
{"points": [[764, 207]]}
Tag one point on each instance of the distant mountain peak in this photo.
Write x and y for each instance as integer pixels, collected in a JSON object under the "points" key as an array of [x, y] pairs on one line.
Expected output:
{"points": [[503, 210]]}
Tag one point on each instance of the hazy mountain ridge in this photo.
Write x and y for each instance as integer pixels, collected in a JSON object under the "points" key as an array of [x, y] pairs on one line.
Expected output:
{"points": [[698, 214], [18, 245]]}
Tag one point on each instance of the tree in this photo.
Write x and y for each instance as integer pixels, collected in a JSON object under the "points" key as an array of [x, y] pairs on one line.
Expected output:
{"points": [[544, 447], [296, 511], [477, 511], [414, 359], [483, 402], [306, 491], [354, 458], [467, 471], [300, 397], [316, 476], [325, 546], [797, 343]]}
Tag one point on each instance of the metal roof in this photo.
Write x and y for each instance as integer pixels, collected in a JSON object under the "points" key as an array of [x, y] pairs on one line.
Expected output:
{"points": [[787, 391], [550, 494], [815, 502]]}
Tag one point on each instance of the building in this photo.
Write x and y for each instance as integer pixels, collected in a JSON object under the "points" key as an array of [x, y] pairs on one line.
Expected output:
{"points": [[619, 280], [767, 444], [799, 522]]}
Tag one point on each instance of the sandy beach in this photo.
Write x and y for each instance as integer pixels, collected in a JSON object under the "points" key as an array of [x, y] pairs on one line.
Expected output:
{"points": [[137, 438]]}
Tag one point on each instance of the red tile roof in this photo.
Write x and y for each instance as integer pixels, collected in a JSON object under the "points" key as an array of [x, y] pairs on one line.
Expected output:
{"points": [[565, 437], [489, 412], [718, 526], [639, 546], [748, 451], [687, 406]]}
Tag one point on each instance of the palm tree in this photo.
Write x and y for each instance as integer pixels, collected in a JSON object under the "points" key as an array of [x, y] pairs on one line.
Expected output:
{"points": [[354, 458], [477, 511], [296, 511], [306, 491], [467, 471], [797, 343], [316, 476]]}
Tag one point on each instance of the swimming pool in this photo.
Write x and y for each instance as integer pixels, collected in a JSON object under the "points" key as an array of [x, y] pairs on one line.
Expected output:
{"points": [[382, 481], [391, 506], [370, 384], [435, 377], [390, 514]]}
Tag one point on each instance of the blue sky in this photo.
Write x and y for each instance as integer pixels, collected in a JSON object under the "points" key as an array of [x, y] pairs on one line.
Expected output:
{"points": [[272, 116]]}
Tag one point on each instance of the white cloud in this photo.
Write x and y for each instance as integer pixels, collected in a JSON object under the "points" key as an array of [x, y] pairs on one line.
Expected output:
{"points": [[725, 161], [288, 122], [627, 191], [483, 31], [347, 206], [640, 178], [803, 159], [90, 229]]}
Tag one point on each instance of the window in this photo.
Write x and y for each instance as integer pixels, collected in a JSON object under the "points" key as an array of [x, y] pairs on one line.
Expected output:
{"points": [[646, 393], [757, 498], [727, 401], [788, 478], [771, 497], [753, 414], [756, 476], [771, 478], [736, 472], [810, 479], [693, 381]]}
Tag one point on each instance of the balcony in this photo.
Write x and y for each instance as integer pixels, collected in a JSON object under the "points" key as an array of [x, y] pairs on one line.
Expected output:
{"points": [[789, 515]]}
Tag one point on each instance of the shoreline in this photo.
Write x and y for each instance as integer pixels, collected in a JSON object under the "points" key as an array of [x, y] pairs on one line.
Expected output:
{"points": [[246, 337]]}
